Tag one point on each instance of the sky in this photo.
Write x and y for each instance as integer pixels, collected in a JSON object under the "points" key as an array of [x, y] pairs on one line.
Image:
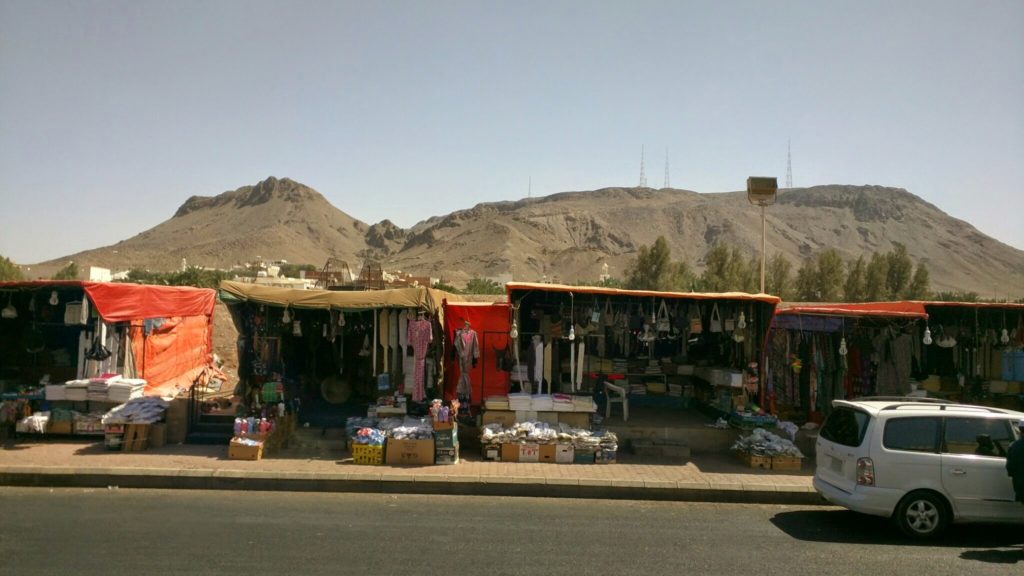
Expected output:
{"points": [[113, 113]]}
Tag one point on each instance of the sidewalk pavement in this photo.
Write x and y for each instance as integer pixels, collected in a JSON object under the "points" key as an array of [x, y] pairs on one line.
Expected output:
{"points": [[703, 477]]}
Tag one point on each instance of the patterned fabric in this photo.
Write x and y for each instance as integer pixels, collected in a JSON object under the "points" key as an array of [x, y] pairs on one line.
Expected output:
{"points": [[421, 334]]}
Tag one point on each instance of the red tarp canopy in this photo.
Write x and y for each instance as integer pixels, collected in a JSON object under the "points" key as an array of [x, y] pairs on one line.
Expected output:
{"points": [[883, 309], [169, 354], [491, 322]]}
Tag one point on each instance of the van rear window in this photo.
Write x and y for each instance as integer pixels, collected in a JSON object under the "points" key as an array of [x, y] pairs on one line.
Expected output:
{"points": [[845, 426]]}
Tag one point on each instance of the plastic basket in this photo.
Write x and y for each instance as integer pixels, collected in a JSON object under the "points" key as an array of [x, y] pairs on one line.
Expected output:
{"points": [[367, 454]]}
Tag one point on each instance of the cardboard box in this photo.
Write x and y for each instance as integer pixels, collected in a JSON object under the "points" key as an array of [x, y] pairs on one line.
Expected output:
{"points": [[238, 451], [575, 419], [367, 455], [997, 386], [157, 435], [409, 452], [63, 427], [444, 425], [510, 452], [446, 455], [177, 420], [529, 452], [563, 453], [583, 457], [491, 452], [506, 418], [136, 437], [547, 453]]}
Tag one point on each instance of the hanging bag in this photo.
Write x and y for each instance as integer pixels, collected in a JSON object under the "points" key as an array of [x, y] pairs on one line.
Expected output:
{"points": [[608, 317], [715, 324], [664, 323], [696, 322]]}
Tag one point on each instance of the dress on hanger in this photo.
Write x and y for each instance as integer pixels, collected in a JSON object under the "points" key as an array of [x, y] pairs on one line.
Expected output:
{"points": [[467, 350], [421, 334]]}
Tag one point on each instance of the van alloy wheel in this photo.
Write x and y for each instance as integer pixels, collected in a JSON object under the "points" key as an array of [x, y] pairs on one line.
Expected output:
{"points": [[922, 515]]}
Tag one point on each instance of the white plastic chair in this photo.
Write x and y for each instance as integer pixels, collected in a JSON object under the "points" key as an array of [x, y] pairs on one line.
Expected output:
{"points": [[618, 395]]}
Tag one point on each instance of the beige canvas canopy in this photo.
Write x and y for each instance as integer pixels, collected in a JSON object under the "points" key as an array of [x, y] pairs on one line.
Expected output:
{"points": [[427, 299]]}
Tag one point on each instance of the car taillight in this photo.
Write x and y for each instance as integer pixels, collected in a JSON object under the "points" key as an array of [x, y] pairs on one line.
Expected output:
{"points": [[865, 472]]}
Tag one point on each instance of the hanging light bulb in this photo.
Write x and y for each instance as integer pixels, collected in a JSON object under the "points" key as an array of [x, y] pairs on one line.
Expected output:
{"points": [[286, 318], [1005, 338], [572, 333], [53, 298], [842, 346], [927, 336], [514, 332], [742, 322]]}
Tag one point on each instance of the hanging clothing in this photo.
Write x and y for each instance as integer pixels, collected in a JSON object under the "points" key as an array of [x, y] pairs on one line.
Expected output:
{"points": [[578, 373], [547, 366], [421, 334], [396, 359], [535, 361], [384, 329], [467, 351], [403, 329]]}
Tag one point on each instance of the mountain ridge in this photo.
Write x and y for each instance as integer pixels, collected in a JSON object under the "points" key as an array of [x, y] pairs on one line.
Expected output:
{"points": [[566, 236]]}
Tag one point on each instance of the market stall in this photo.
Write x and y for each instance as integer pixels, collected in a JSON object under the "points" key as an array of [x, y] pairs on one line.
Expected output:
{"points": [[318, 350], [816, 353], [73, 349], [976, 352], [659, 349]]}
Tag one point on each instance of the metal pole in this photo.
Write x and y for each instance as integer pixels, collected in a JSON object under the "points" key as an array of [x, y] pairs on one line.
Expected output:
{"points": [[763, 234]]}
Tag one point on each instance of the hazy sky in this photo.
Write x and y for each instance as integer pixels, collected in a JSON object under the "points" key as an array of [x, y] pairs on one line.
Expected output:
{"points": [[113, 113]]}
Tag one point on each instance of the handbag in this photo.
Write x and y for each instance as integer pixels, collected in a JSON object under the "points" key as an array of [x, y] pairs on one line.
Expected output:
{"points": [[696, 322], [97, 351], [664, 323], [715, 325]]}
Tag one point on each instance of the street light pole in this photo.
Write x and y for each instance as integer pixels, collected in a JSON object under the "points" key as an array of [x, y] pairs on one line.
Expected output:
{"points": [[761, 191]]}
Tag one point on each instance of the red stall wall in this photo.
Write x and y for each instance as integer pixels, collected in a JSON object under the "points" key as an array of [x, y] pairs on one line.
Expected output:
{"points": [[491, 322]]}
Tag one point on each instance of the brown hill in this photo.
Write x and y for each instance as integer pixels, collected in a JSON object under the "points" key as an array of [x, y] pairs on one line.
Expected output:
{"points": [[568, 236]]}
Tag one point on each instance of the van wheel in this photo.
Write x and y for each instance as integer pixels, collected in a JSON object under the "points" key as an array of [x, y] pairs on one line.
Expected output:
{"points": [[922, 515]]}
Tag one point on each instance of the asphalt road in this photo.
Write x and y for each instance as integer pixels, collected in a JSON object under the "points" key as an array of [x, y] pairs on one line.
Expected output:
{"points": [[152, 532]]}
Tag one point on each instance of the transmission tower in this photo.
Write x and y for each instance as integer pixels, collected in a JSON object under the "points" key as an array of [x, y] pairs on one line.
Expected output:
{"points": [[643, 176], [666, 169], [789, 166]]}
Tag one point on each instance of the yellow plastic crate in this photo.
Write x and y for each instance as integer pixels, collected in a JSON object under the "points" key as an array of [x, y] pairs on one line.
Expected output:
{"points": [[367, 455]]}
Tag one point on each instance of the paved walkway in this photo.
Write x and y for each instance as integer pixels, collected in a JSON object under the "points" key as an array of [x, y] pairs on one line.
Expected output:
{"points": [[704, 477]]}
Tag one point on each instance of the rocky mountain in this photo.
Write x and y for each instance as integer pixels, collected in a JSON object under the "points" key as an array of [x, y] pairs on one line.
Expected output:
{"points": [[569, 236]]}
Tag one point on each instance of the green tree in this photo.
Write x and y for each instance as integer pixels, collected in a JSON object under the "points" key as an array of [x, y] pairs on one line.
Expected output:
{"points": [[875, 278], [69, 272], [293, 270], [653, 268], [778, 277], [855, 290], [957, 296], [807, 282], [831, 274], [900, 269], [716, 270], [483, 286], [9, 270], [920, 285], [446, 287]]}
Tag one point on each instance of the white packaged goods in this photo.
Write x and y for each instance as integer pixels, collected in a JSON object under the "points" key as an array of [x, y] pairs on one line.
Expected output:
{"points": [[145, 410], [764, 443]]}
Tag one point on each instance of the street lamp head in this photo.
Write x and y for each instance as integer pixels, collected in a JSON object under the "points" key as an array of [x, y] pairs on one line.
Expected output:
{"points": [[761, 190]]}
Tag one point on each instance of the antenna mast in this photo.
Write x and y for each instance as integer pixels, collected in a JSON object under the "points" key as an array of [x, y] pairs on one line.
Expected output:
{"points": [[666, 170], [789, 166], [643, 177]]}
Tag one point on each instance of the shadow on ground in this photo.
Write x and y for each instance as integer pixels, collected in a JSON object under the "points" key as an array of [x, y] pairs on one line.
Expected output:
{"points": [[996, 543]]}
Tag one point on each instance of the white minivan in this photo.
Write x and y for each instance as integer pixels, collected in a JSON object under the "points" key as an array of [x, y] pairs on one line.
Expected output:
{"points": [[922, 462]]}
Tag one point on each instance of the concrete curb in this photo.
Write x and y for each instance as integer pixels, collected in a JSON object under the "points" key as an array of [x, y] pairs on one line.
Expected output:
{"points": [[313, 482]]}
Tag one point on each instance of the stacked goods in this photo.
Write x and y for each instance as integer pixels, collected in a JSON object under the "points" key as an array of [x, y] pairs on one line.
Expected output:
{"points": [[97, 387], [125, 389], [368, 446], [496, 403], [544, 442], [55, 392], [145, 410], [675, 390], [762, 448], [562, 402], [412, 443], [541, 403], [76, 390], [583, 404], [520, 401], [87, 424]]}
